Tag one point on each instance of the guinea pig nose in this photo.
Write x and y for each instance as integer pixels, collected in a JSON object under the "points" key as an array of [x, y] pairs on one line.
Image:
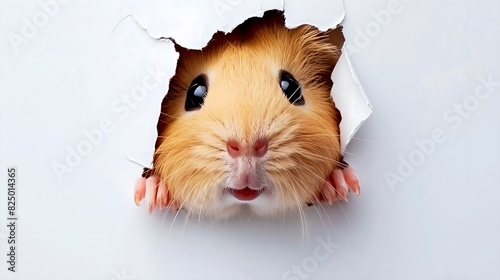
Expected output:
{"points": [[234, 148], [260, 147]]}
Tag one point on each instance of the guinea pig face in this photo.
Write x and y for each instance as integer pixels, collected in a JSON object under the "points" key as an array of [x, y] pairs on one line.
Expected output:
{"points": [[250, 123]]}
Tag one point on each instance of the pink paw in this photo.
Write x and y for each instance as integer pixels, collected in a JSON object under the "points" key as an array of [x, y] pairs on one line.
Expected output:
{"points": [[338, 185], [155, 192]]}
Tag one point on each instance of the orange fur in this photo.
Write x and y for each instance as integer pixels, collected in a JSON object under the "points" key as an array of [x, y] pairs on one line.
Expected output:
{"points": [[245, 102]]}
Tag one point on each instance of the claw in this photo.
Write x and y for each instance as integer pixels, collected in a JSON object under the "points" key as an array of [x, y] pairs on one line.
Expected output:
{"points": [[151, 191], [140, 190], [340, 184], [352, 180], [162, 197], [328, 192]]}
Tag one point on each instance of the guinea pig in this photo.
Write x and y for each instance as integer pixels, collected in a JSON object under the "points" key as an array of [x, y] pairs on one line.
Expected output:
{"points": [[248, 121]]}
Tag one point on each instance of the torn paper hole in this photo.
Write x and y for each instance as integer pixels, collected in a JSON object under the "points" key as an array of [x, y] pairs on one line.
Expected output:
{"points": [[246, 108], [169, 19]]}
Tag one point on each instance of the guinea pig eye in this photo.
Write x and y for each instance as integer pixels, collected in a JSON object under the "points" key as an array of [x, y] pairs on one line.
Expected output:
{"points": [[291, 88], [196, 94]]}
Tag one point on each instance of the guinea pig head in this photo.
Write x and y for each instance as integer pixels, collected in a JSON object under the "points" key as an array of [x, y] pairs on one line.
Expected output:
{"points": [[249, 120]]}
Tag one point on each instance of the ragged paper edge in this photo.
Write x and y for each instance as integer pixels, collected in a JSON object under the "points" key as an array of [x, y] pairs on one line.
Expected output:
{"points": [[350, 98], [347, 92]]}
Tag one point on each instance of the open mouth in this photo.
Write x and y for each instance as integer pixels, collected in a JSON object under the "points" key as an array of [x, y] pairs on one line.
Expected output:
{"points": [[245, 194]]}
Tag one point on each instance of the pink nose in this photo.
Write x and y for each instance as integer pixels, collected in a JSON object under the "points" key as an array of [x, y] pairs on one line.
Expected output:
{"points": [[235, 149]]}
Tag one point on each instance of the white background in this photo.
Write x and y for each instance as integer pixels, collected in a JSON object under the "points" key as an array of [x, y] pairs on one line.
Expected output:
{"points": [[440, 221]]}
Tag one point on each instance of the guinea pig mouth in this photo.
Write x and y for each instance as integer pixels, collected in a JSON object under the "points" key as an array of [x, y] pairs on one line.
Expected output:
{"points": [[246, 194]]}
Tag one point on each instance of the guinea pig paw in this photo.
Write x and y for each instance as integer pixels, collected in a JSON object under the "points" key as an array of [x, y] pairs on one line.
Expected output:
{"points": [[156, 193], [338, 185]]}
